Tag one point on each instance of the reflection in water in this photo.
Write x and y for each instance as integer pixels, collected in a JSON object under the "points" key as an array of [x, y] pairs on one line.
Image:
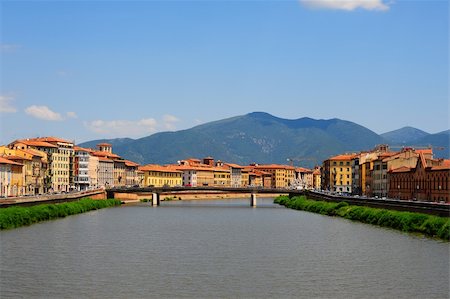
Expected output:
{"points": [[218, 248]]}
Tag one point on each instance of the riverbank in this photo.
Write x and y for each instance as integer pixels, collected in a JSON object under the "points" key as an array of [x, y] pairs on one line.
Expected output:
{"points": [[208, 196], [13, 217], [432, 226]]}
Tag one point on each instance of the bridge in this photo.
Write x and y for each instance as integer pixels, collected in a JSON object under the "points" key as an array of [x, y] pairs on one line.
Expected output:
{"points": [[136, 193], [439, 209]]}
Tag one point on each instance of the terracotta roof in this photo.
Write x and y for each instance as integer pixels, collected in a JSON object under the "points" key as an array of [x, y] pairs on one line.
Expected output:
{"points": [[342, 157], [105, 154], [274, 166], [6, 161], [302, 169], [387, 154], [81, 149], [233, 165], [401, 169], [130, 163], [440, 167], [104, 159], [36, 143], [424, 151], [51, 139], [104, 144], [159, 168], [14, 157], [444, 165], [34, 152]]}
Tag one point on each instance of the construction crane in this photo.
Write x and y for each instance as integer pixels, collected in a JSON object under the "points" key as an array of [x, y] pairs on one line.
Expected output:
{"points": [[291, 160], [438, 148]]}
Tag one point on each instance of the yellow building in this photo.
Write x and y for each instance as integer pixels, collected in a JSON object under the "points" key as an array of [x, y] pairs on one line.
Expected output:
{"points": [[317, 178], [60, 160], [338, 173], [34, 166], [282, 176], [159, 176], [222, 176], [11, 178]]}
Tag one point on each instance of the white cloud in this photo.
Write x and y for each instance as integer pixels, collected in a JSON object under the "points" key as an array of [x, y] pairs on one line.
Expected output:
{"points": [[132, 128], [348, 5], [6, 105], [123, 128], [43, 112], [71, 114], [8, 48], [62, 73], [169, 121]]}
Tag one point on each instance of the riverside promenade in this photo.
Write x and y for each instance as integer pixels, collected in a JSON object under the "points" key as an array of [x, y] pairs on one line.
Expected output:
{"points": [[51, 198]]}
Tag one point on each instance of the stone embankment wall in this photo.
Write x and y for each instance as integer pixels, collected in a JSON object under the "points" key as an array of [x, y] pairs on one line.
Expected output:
{"points": [[53, 198]]}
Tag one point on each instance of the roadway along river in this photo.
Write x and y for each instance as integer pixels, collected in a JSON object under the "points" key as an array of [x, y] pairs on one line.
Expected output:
{"points": [[218, 249]]}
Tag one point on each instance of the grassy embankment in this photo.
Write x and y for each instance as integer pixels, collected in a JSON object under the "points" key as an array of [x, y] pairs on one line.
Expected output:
{"points": [[13, 217], [428, 225]]}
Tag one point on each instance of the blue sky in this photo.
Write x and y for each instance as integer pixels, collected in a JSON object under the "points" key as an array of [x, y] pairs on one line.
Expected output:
{"points": [[87, 70]]}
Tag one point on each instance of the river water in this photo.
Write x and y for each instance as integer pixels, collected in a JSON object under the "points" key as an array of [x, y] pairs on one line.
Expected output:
{"points": [[218, 249]]}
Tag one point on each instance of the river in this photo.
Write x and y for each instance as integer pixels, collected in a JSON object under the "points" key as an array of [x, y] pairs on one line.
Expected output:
{"points": [[218, 249]]}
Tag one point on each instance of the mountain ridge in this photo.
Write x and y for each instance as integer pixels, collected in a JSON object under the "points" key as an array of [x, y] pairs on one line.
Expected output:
{"points": [[254, 137]]}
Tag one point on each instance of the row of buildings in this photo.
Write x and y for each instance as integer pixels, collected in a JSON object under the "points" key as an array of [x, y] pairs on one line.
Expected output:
{"points": [[406, 174], [208, 172], [49, 164], [53, 165]]}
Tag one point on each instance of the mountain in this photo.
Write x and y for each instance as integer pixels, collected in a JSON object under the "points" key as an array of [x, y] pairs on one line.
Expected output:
{"points": [[404, 136], [255, 137], [439, 141]]}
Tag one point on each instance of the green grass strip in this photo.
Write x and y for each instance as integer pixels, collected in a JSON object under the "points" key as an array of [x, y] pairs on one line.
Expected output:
{"points": [[13, 217], [428, 225]]}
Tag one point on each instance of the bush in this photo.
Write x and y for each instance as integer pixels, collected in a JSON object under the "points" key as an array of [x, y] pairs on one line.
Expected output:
{"points": [[13, 217]]}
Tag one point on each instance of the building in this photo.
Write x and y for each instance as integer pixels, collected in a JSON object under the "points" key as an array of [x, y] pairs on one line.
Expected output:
{"points": [[235, 174], [131, 174], [81, 169], [282, 176], [380, 184], [35, 165], [120, 175], [160, 176], [11, 178], [337, 174], [105, 175], [317, 178], [303, 178], [93, 170], [59, 175], [428, 180], [356, 175], [223, 176]]}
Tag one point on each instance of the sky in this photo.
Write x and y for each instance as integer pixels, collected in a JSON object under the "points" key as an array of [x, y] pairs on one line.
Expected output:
{"points": [[85, 70]]}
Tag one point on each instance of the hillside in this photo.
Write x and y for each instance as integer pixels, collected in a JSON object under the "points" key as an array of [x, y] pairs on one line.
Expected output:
{"points": [[255, 137], [440, 142], [403, 136]]}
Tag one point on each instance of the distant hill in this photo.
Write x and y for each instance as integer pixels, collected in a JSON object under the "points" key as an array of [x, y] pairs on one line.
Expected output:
{"points": [[403, 136], [255, 137], [440, 143]]}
